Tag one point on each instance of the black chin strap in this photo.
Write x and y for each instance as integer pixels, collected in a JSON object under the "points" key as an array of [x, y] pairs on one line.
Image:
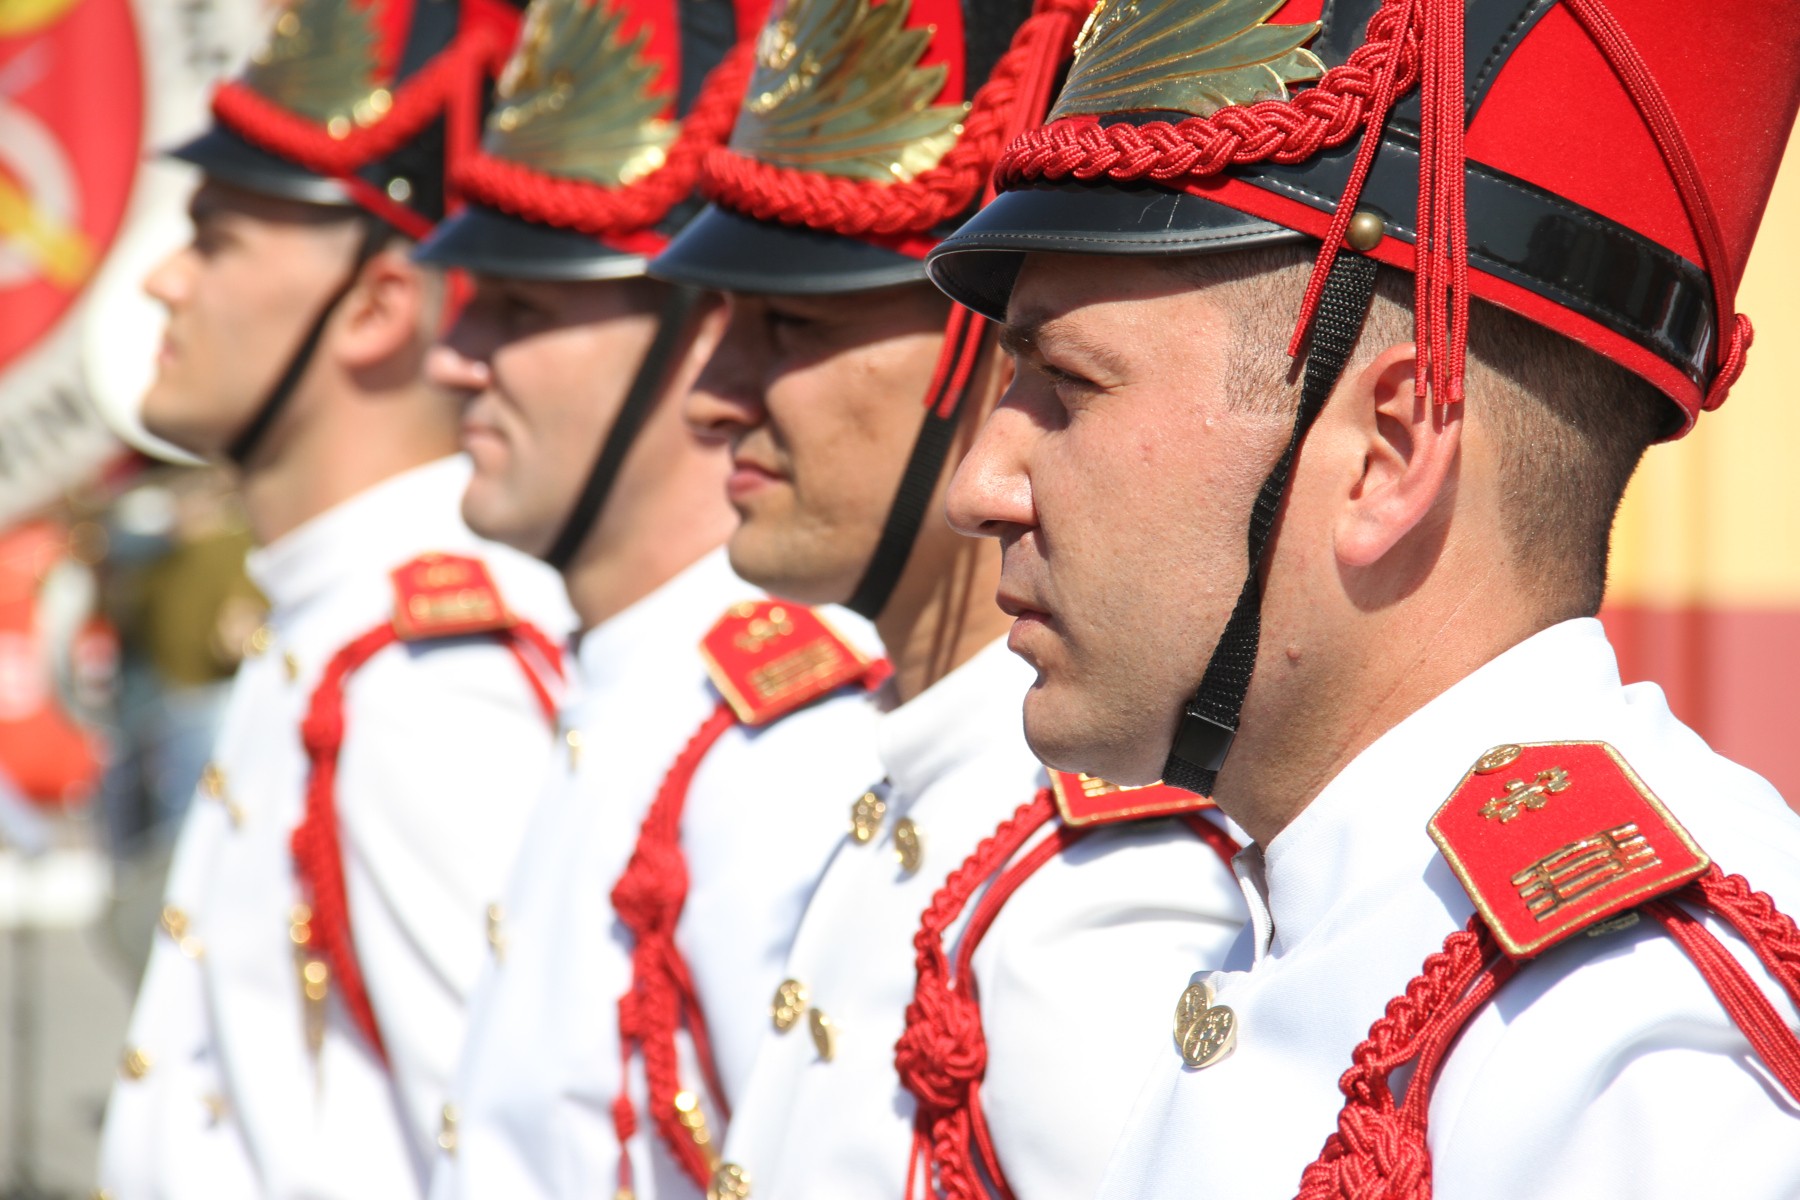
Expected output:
{"points": [[950, 390], [374, 235], [1209, 721], [646, 386]]}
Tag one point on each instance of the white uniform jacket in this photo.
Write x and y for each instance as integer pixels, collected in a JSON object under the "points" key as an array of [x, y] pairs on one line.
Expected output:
{"points": [[220, 1091], [1075, 976], [535, 1091], [1605, 1070]]}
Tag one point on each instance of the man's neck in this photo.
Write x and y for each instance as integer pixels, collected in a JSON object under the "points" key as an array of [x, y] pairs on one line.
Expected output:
{"points": [[942, 613], [298, 474], [1309, 715], [602, 585]]}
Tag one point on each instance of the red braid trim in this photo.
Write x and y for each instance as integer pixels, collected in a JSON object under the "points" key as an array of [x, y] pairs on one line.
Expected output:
{"points": [[1382, 1149], [1408, 41], [439, 85], [315, 843], [1011, 99], [595, 210], [941, 1056]]}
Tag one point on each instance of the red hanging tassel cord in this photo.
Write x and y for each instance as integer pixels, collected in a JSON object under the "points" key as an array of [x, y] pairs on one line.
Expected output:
{"points": [[315, 843]]}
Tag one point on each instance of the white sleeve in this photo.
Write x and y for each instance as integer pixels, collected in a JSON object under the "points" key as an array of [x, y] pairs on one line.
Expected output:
{"points": [[444, 754]]}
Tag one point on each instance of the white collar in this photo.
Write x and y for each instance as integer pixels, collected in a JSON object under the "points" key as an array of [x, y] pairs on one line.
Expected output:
{"points": [[662, 631], [977, 709], [374, 530], [1366, 830]]}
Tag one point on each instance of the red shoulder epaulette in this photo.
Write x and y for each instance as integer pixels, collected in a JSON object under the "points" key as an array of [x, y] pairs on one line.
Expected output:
{"points": [[1549, 840], [1090, 800], [1553, 838], [446, 595], [769, 657]]}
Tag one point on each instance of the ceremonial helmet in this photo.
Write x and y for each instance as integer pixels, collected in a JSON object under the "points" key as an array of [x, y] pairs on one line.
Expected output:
{"points": [[357, 102], [1598, 167], [353, 104], [866, 132], [588, 163]]}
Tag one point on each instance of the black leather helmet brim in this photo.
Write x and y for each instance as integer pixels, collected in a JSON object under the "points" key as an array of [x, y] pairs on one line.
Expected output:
{"points": [[225, 156], [489, 242], [979, 263], [730, 252]]}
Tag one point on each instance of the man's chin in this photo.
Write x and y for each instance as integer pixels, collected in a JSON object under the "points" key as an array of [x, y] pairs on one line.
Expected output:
{"points": [[485, 511], [1064, 741], [763, 561]]}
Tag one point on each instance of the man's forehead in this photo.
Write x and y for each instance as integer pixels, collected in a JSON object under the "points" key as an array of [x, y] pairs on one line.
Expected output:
{"points": [[215, 197], [1070, 296]]}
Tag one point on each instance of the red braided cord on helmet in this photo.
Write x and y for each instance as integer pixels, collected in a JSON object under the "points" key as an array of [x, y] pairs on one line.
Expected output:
{"points": [[1009, 100], [1381, 1152], [416, 103], [315, 844], [595, 210], [649, 897], [1407, 41]]}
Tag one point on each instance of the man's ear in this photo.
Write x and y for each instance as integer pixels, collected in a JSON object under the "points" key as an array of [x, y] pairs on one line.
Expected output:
{"points": [[1409, 457], [390, 310]]}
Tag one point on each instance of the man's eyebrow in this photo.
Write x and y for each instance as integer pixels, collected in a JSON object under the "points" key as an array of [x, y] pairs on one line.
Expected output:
{"points": [[1022, 335]]}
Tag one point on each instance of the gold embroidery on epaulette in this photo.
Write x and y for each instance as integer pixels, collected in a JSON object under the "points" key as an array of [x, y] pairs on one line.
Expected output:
{"points": [[1522, 797], [1564, 876], [795, 671], [430, 609], [838, 90], [1172, 56], [320, 61], [578, 97]]}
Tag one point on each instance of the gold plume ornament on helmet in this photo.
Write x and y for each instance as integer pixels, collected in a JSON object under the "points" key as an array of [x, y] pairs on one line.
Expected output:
{"points": [[838, 89], [579, 99]]}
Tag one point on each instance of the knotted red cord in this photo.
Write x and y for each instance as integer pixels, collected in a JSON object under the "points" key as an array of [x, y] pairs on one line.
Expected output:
{"points": [[1010, 100], [315, 843], [1381, 1149], [942, 1053], [595, 210], [649, 897], [662, 1000]]}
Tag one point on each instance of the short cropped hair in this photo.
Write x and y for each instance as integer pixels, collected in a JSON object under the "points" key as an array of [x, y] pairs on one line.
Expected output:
{"points": [[1569, 427]]}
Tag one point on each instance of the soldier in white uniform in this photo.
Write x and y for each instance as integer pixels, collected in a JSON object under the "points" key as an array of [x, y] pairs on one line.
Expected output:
{"points": [[863, 130], [1429, 742], [325, 912], [588, 1026]]}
